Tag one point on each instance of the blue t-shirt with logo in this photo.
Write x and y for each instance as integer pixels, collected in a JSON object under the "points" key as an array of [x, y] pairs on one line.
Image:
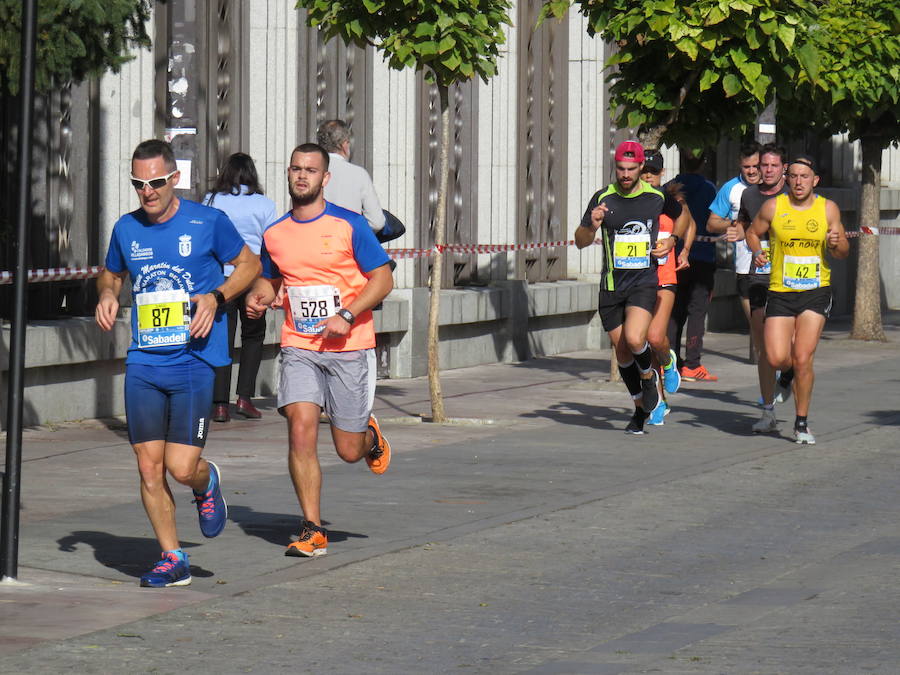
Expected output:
{"points": [[699, 193], [185, 253]]}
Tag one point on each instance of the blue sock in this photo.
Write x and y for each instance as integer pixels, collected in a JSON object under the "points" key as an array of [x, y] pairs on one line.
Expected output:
{"points": [[178, 552]]}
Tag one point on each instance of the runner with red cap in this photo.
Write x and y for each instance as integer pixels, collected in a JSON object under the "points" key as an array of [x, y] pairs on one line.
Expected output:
{"points": [[626, 213]]}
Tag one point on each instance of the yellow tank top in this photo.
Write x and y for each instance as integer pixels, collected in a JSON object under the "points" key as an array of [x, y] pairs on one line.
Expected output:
{"points": [[797, 247]]}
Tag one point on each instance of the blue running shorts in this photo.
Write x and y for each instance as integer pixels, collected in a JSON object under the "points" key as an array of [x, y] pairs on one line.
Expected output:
{"points": [[169, 402]]}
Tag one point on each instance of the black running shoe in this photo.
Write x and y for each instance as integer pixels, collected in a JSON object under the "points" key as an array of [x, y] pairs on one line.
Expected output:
{"points": [[650, 398], [636, 425]]}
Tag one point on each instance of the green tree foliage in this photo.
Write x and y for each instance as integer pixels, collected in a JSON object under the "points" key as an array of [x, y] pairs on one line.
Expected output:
{"points": [[851, 76], [690, 72], [851, 83], [449, 41], [75, 39]]}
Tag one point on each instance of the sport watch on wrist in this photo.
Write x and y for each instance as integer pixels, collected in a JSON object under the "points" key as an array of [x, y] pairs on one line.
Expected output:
{"points": [[220, 298], [346, 315]]}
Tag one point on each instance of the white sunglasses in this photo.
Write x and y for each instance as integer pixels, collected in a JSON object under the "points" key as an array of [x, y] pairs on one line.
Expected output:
{"points": [[154, 183]]}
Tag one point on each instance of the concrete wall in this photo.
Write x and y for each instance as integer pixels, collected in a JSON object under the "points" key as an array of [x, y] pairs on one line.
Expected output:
{"points": [[73, 370]]}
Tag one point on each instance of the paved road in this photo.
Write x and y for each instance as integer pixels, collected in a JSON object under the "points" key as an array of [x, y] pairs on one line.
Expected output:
{"points": [[532, 536]]}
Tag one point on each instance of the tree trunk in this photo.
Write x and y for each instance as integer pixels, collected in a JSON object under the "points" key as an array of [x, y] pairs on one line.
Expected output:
{"points": [[651, 139], [440, 229], [867, 308]]}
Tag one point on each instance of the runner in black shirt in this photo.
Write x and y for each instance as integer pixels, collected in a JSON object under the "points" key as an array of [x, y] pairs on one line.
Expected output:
{"points": [[627, 213]]}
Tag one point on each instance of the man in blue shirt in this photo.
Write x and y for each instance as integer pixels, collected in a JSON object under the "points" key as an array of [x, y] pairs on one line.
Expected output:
{"points": [[695, 283], [724, 212], [173, 250]]}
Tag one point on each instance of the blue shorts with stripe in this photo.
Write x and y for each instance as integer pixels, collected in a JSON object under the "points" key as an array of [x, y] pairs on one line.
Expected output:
{"points": [[169, 402]]}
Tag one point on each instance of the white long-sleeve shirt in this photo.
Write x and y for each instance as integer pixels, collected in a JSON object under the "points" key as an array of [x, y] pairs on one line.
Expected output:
{"points": [[350, 186]]}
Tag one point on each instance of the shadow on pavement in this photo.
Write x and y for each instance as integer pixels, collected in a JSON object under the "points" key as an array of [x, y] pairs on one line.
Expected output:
{"points": [[129, 555], [582, 415], [585, 368], [884, 417], [278, 528], [716, 395], [727, 356], [733, 423]]}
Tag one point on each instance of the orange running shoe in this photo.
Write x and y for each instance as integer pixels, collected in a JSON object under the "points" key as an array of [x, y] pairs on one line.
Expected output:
{"points": [[379, 457], [313, 541], [698, 374]]}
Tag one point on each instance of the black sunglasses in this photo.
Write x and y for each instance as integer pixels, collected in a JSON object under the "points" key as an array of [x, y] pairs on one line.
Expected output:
{"points": [[154, 183]]}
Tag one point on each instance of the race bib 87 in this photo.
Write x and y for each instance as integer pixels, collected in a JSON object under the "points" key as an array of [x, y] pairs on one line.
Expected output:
{"points": [[163, 318]]}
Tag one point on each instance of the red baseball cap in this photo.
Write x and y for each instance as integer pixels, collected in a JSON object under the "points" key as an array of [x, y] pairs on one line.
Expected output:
{"points": [[630, 151]]}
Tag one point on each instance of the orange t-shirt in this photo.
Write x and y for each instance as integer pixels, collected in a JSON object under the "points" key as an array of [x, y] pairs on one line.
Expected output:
{"points": [[665, 267], [324, 263]]}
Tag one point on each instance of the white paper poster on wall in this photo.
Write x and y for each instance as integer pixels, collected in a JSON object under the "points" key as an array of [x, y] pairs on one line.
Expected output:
{"points": [[184, 180], [184, 165]]}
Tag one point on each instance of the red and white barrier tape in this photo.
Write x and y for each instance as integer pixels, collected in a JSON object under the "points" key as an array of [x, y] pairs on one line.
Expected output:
{"points": [[852, 234], [865, 229], [396, 253], [500, 248], [73, 273], [55, 274], [399, 253]]}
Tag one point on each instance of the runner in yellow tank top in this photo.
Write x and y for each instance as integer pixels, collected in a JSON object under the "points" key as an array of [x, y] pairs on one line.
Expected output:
{"points": [[798, 246], [802, 227]]}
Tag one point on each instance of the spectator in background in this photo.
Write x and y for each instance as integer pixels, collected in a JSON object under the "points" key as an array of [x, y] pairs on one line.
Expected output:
{"points": [[238, 193], [350, 185], [695, 283]]}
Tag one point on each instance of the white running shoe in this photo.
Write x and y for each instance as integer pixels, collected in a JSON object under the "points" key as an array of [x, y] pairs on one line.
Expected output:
{"points": [[767, 423], [804, 437], [782, 390]]}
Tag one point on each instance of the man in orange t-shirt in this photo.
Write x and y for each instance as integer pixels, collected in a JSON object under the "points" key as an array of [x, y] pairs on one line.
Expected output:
{"points": [[334, 272]]}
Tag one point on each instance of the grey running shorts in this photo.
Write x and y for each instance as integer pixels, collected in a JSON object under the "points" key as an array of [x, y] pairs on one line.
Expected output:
{"points": [[342, 383]]}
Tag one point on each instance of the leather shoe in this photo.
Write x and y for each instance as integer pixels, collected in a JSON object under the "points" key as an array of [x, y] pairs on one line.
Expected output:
{"points": [[221, 413], [245, 408]]}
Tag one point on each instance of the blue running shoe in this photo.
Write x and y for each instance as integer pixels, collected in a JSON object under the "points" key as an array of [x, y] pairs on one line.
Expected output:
{"points": [[211, 506], [170, 571], [671, 376], [656, 417]]}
